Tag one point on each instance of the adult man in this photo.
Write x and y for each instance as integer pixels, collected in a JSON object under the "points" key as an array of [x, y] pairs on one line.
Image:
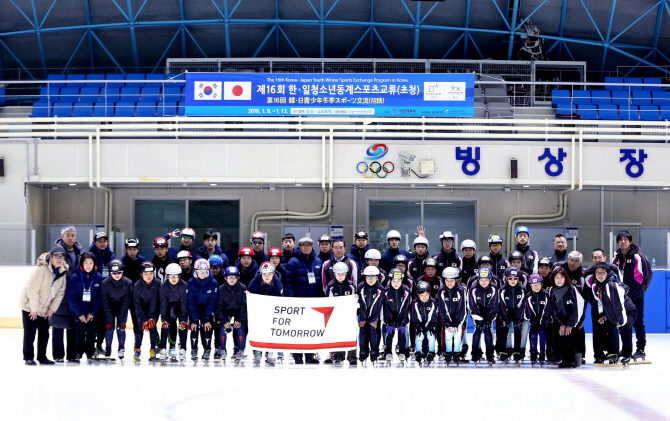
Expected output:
{"points": [[560, 249], [393, 239], [258, 246], [327, 275], [211, 248], [447, 256], [325, 245], [636, 273], [359, 247], [288, 246], [187, 237], [529, 261]]}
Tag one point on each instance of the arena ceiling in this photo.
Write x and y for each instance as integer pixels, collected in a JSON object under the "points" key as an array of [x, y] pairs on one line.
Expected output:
{"points": [[59, 36]]}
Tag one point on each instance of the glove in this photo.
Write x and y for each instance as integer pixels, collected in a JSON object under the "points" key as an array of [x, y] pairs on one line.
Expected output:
{"points": [[149, 324], [166, 325], [402, 329], [174, 233], [503, 323], [487, 325], [183, 325], [389, 329]]}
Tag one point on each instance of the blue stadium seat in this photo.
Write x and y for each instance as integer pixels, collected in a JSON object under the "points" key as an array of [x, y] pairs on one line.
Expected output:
{"points": [[49, 95], [175, 76], [641, 98], [145, 109], [613, 80], [139, 77], [601, 97], [633, 80], [180, 109], [166, 109], [172, 93], [95, 76], [41, 109], [155, 76], [56, 81], [649, 113], [124, 109], [629, 113], [608, 112], [69, 95], [665, 113], [63, 109], [660, 98], [115, 80], [587, 111], [581, 97], [151, 93], [621, 98], [130, 95], [76, 80], [103, 109], [565, 108], [655, 81], [110, 94], [83, 109], [89, 95], [559, 95], [2, 96]]}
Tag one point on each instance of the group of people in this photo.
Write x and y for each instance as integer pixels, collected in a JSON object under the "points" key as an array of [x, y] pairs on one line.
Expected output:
{"points": [[427, 300]]}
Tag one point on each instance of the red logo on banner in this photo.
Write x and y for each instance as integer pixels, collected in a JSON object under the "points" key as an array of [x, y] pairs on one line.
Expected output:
{"points": [[326, 311]]}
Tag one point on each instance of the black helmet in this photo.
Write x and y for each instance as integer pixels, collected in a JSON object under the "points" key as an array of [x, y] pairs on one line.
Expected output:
{"points": [[116, 266], [401, 258], [515, 255], [422, 286], [147, 267], [484, 259], [361, 234], [429, 262], [395, 273], [132, 242]]}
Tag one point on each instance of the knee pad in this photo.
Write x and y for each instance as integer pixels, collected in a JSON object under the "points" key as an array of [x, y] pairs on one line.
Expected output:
{"points": [[108, 326], [122, 326]]}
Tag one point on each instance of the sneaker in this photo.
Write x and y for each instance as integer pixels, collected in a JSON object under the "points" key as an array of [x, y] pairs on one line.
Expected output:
{"points": [[31, 362]]}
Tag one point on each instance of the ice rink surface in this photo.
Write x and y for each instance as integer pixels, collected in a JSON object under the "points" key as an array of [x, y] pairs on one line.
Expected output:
{"points": [[144, 391]]}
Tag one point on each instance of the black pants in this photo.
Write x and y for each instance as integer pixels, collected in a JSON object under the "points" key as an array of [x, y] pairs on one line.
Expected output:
{"points": [[602, 339], [488, 341], [136, 329], [153, 337], [39, 326], [58, 347], [205, 335], [85, 337], [640, 331], [501, 338], [439, 335], [169, 331], [553, 346], [367, 342], [567, 344], [580, 340], [100, 328], [626, 332]]}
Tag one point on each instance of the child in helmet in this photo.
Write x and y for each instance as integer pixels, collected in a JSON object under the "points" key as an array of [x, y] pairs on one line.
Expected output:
{"points": [[202, 297], [373, 258], [174, 313], [401, 263], [483, 303], [393, 239], [246, 265], [452, 305], [424, 315], [415, 266], [231, 312], [275, 254], [370, 303], [117, 292], [340, 287], [536, 312], [482, 262], [185, 260], [396, 302], [447, 256], [145, 296], [516, 261], [430, 275], [266, 282], [161, 259], [216, 268], [186, 237], [498, 261], [469, 249], [529, 257], [510, 315]]}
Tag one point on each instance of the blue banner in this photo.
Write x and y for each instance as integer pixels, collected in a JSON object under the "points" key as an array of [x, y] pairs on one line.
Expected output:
{"points": [[330, 94]]}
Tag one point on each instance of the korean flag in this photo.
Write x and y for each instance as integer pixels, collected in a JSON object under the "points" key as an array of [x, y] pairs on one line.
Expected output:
{"points": [[237, 91], [207, 91]]}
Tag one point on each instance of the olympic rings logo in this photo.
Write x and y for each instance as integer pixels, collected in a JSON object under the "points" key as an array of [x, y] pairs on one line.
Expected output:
{"points": [[375, 170], [377, 151]]}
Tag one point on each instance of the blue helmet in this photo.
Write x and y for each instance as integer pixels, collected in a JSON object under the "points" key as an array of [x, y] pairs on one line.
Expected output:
{"points": [[215, 260], [495, 239], [512, 272], [521, 229], [231, 270]]}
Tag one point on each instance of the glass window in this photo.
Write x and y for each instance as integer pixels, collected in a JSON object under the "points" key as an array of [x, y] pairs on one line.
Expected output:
{"points": [[154, 218], [222, 216], [403, 216], [457, 217]]}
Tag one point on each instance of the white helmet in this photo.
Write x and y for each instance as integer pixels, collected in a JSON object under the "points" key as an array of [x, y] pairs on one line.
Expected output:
{"points": [[173, 269], [393, 234], [188, 231], [468, 244], [184, 253], [451, 273], [340, 267], [420, 240], [267, 267], [373, 254], [371, 271]]}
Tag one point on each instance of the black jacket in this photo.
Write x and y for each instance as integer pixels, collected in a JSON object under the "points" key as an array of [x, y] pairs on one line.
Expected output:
{"points": [[369, 302], [340, 289], [174, 301], [511, 303], [395, 306], [146, 299], [445, 260], [536, 308], [452, 304], [436, 282], [159, 267], [499, 264], [483, 303], [415, 266], [530, 258], [424, 315], [469, 268], [132, 267], [567, 305], [116, 295], [615, 302], [558, 257], [636, 271], [232, 302], [327, 275]]}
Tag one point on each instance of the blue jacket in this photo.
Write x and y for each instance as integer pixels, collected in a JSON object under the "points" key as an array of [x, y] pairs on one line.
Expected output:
{"points": [[297, 283], [75, 293], [102, 257], [246, 275], [256, 286], [202, 252], [260, 258], [202, 297], [358, 255], [132, 267], [173, 251], [387, 258]]}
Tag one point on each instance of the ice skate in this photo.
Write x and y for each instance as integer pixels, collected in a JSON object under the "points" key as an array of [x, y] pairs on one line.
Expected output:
{"points": [[217, 354], [639, 354], [205, 355], [402, 359], [238, 357], [503, 357], [517, 358], [163, 356], [257, 357], [362, 359], [389, 358], [490, 360], [476, 356], [152, 355], [269, 360], [121, 354], [533, 358], [611, 359], [223, 355], [137, 354], [625, 362], [280, 357], [541, 358]]}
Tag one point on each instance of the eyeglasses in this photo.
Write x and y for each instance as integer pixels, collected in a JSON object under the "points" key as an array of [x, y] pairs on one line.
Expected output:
{"points": [[187, 237], [202, 271], [173, 276], [57, 256], [560, 242], [256, 242], [601, 273], [231, 277], [117, 273]]}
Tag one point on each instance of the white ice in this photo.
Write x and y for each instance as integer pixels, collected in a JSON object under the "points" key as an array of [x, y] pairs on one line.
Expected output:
{"points": [[130, 391]]}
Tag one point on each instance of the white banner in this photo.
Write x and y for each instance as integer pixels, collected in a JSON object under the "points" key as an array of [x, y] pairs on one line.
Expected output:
{"points": [[302, 324]]}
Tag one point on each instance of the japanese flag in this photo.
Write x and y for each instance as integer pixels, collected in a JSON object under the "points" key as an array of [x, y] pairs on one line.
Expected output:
{"points": [[207, 91], [237, 91]]}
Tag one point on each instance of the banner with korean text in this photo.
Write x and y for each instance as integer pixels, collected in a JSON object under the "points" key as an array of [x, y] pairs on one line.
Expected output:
{"points": [[302, 324], [330, 94]]}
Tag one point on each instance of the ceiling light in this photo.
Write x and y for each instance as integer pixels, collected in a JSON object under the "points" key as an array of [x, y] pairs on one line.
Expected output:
{"points": [[666, 188], [440, 185], [73, 184], [212, 184], [298, 185], [526, 187]]}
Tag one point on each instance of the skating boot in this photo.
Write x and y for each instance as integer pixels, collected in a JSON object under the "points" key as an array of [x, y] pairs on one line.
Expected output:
{"points": [[599, 360], [389, 358], [490, 359], [373, 358], [362, 359], [464, 350], [447, 358], [533, 357], [330, 359], [503, 357], [217, 354], [402, 358], [625, 362], [182, 355], [476, 356], [152, 355], [108, 355], [418, 358], [517, 358], [122, 353], [430, 357], [280, 357], [541, 358], [269, 359], [136, 356], [411, 355], [639, 354], [238, 357], [257, 357], [612, 358], [442, 358], [317, 357], [223, 355], [205, 355], [98, 352], [163, 356], [353, 362], [194, 355]]}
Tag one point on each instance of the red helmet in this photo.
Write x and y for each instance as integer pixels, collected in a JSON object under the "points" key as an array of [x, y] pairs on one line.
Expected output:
{"points": [[267, 267], [160, 242], [258, 236], [245, 251], [275, 252]]}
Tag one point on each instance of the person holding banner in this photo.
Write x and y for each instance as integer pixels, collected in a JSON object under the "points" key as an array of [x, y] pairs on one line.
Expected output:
{"points": [[370, 304], [265, 283], [303, 280]]}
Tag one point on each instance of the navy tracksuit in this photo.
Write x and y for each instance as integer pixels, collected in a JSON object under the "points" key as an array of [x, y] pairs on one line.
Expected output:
{"points": [[76, 285], [424, 316], [145, 297], [395, 315], [370, 304], [202, 298], [116, 298], [232, 303], [536, 310], [173, 308], [452, 305], [510, 314], [341, 289], [484, 306]]}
